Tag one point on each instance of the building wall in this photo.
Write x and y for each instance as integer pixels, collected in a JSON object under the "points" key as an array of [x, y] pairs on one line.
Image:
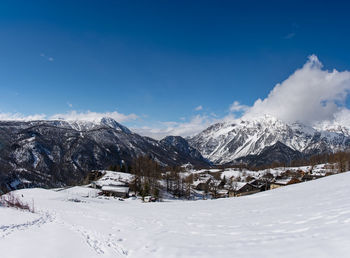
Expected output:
{"points": [[247, 193], [115, 194], [274, 186]]}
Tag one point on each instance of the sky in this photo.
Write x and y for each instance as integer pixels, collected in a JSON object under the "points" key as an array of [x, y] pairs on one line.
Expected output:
{"points": [[174, 67]]}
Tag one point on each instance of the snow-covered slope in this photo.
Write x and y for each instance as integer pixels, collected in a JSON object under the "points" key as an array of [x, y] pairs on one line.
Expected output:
{"points": [[305, 220], [224, 142]]}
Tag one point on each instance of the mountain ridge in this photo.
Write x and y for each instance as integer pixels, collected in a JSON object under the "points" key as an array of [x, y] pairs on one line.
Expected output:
{"points": [[226, 142]]}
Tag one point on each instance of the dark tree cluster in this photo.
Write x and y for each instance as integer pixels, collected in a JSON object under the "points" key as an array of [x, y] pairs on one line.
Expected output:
{"points": [[147, 174], [176, 184]]}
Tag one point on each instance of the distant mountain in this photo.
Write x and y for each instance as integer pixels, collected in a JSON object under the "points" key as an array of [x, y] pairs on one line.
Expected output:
{"points": [[58, 153], [249, 140], [183, 148]]}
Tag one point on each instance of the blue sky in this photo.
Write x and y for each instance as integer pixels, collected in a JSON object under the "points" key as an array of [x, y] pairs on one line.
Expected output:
{"points": [[159, 60]]}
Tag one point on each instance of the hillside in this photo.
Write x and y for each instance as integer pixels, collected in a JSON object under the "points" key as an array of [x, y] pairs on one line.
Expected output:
{"points": [[304, 220], [58, 153]]}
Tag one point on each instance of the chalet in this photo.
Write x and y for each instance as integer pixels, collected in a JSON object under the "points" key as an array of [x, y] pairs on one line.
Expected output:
{"points": [[263, 185], [115, 190], [222, 193], [202, 184], [283, 182], [113, 183], [241, 189]]}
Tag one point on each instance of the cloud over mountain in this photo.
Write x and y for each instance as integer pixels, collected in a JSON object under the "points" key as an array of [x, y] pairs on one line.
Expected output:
{"points": [[186, 128], [94, 116], [310, 95]]}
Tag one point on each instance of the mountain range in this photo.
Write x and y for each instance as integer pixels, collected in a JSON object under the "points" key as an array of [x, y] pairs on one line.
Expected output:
{"points": [[55, 153], [59, 153], [266, 139]]}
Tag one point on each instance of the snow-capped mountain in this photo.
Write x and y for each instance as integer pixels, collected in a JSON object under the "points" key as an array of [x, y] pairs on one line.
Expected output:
{"points": [[226, 142], [55, 153], [80, 125]]}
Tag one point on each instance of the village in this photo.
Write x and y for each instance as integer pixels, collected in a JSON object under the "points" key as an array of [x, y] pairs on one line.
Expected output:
{"points": [[207, 183]]}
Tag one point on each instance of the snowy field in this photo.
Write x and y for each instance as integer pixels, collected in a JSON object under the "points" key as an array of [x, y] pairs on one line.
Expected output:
{"points": [[304, 220]]}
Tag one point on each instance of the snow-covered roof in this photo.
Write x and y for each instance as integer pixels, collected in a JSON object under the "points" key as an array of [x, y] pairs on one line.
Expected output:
{"points": [[284, 181], [109, 182], [197, 182], [113, 178], [222, 191], [238, 185]]}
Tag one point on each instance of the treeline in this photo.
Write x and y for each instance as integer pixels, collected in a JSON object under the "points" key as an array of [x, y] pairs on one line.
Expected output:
{"points": [[340, 159]]}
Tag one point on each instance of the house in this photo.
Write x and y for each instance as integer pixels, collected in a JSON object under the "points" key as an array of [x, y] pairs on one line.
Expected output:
{"points": [[283, 182], [202, 184], [222, 193], [115, 190], [263, 185], [241, 189], [113, 183]]}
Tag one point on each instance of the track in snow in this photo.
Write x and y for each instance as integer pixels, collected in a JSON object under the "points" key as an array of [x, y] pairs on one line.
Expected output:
{"points": [[6, 230]]}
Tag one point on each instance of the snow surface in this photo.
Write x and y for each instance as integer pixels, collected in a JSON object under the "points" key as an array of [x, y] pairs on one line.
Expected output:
{"points": [[310, 219]]}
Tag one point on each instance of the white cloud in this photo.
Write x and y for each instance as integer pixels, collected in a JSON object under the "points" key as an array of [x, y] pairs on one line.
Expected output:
{"points": [[310, 95], [198, 108], [197, 124], [341, 118], [237, 107], [93, 116], [48, 58], [21, 117]]}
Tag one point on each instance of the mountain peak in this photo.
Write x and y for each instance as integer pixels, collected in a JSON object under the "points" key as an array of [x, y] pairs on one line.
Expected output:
{"points": [[110, 122]]}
